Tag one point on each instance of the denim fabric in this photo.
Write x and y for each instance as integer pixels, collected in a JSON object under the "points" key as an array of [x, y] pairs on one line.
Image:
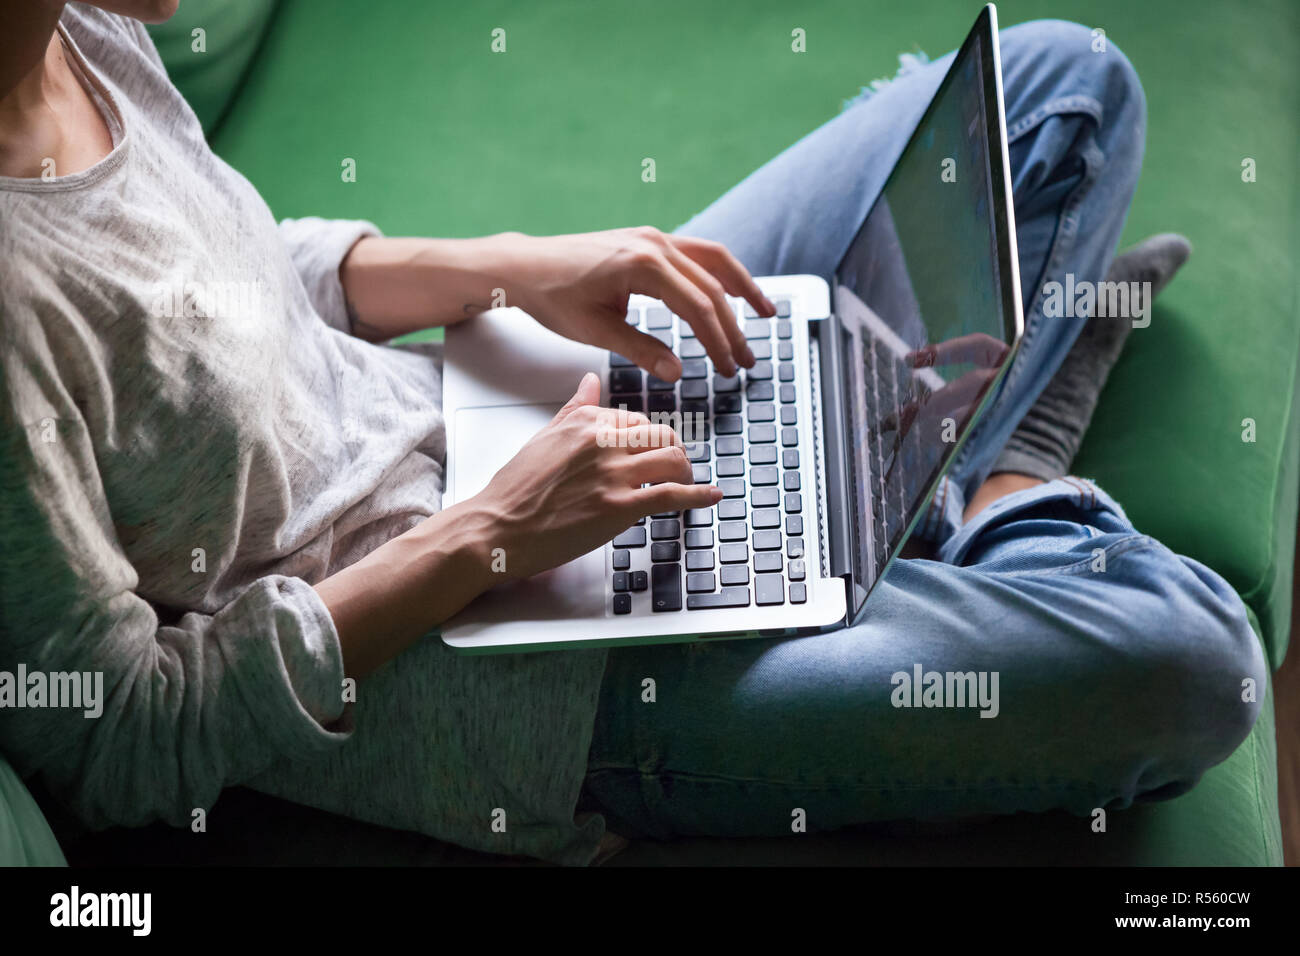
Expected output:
{"points": [[1120, 665]]}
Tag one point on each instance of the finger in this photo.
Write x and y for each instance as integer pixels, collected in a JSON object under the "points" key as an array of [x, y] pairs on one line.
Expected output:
{"points": [[664, 281], [722, 309], [642, 438], [671, 496], [657, 465], [588, 393], [975, 348], [645, 350], [735, 278]]}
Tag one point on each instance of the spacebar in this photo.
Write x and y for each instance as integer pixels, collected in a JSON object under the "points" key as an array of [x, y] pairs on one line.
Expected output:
{"points": [[727, 597]]}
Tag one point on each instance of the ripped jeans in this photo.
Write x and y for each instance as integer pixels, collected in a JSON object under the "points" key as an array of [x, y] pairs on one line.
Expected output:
{"points": [[1119, 665]]}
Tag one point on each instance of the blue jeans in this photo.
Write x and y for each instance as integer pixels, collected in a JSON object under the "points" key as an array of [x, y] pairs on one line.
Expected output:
{"points": [[1120, 665]]}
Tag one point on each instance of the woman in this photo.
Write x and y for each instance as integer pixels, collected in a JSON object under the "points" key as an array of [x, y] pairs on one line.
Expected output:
{"points": [[222, 496]]}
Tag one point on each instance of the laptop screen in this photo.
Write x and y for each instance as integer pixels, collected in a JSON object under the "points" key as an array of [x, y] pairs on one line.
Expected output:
{"points": [[920, 301]]}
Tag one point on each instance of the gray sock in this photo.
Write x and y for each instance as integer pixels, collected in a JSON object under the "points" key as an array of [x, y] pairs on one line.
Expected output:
{"points": [[1046, 440]]}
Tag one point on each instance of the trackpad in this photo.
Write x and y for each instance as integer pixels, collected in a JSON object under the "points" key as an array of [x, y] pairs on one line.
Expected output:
{"points": [[486, 439]]}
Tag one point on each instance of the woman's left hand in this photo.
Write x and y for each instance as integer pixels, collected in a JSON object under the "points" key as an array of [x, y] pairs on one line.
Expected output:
{"points": [[578, 287]]}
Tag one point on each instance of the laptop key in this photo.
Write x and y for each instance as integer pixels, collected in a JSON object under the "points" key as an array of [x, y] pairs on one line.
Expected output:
{"points": [[694, 389], [787, 393], [640, 581], [733, 531], [725, 383], [727, 404], [798, 594], [622, 560], [625, 380], [784, 329], [732, 487], [790, 458], [701, 581], [766, 518], [762, 455], [794, 548], [758, 329], [698, 451], [769, 541], [798, 570], [731, 467], [761, 434], [734, 553], [764, 497], [733, 574], [789, 415], [631, 538], [765, 475], [691, 349], [731, 509], [759, 391], [620, 361], [782, 308], [761, 348], [661, 403], [760, 412], [695, 368], [622, 604], [665, 551], [791, 481], [794, 526], [785, 351], [727, 597], [666, 587], [729, 445], [769, 589], [664, 530], [765, 561], [699, 517], [786, 372], [703, 474], [793, 503], [762, 371], [631, 403], [658, 318], [699, 538], [699, 560], [789, 437], [728, 425], [621, 582]]}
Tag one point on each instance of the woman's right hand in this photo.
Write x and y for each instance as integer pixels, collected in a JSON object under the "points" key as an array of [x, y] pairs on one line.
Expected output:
{"points": [[577, 483]]}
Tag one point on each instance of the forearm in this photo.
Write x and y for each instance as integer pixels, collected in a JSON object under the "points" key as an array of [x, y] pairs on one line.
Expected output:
{"points": [[409, 585], [399, 285]]}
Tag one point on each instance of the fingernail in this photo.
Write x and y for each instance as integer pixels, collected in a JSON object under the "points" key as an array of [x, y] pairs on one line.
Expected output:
{"points": [[666, 369]]}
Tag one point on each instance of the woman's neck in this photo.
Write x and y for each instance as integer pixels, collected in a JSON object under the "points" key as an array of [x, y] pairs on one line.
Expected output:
{"points": [[49, 125]]}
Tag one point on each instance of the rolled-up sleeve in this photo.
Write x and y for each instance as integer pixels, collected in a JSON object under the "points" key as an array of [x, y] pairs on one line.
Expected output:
{"points": [[187, 707], [317, 248]]}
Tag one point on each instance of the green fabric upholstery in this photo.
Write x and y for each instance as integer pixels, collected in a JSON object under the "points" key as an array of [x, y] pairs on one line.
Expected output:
{"points": [[452, 139], [210, 76], [25, 837]]}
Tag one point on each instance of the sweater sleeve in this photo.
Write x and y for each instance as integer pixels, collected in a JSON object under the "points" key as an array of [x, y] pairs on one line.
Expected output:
{"points": [[187, 707], [317, 248]]}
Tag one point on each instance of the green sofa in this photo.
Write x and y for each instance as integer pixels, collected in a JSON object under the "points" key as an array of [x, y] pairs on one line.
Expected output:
{"points": [[452, 139]]}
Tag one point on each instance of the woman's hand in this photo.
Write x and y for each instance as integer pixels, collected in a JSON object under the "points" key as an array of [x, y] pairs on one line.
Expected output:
{"points": [[578, 286], [577, 484]]}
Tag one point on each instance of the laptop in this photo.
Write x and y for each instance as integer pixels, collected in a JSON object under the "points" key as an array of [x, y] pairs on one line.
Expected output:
{"points": [[827, 451]]}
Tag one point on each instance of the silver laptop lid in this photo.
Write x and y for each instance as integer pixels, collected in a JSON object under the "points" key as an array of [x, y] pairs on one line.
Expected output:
{"points": [[928, 302]]}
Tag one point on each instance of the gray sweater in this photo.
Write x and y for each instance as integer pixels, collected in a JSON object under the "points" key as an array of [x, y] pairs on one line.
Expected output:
{"points": [[189, 439]]}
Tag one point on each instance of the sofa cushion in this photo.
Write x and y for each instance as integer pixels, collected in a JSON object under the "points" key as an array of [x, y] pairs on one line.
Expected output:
{"points": [[209, 77]]}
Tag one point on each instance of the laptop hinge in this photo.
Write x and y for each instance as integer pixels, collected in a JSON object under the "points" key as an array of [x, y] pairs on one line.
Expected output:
{"points": [[838, 518]]}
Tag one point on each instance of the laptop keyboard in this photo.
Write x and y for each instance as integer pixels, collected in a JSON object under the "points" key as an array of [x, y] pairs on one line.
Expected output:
{"points": [[896, 466], [741, 433]]}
